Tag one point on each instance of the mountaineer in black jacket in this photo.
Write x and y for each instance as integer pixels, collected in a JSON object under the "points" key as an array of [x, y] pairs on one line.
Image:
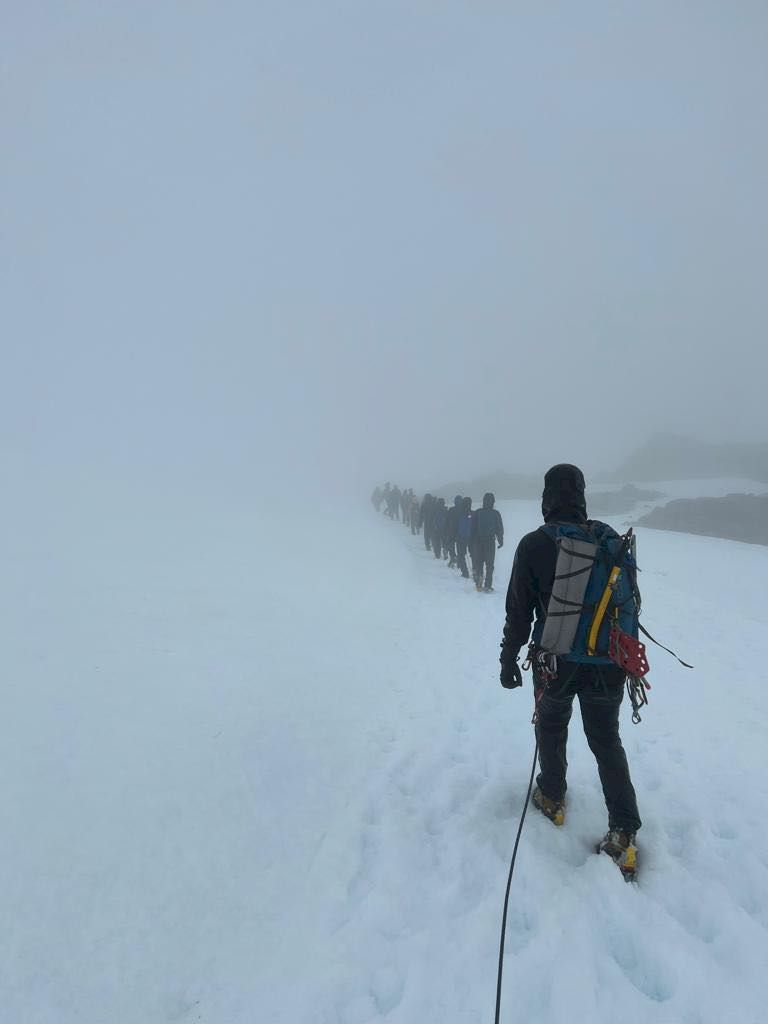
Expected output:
{"points": [[464, 535], [600, 688], [452, 530], [487, 529], [439, 515], [425, 518]]}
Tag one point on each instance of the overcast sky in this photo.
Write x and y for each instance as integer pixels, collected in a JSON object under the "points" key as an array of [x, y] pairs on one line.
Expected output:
{"points": [[357, 240]]}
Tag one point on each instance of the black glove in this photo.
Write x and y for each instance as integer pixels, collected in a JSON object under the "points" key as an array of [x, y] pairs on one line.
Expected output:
{"points": [[510, 674]]}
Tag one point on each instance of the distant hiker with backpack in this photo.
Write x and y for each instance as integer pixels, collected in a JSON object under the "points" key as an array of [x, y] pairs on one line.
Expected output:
{"points": [[578, 578], [487, 529], [451, 530], [439, 516], [425, 518], [464, 535], [405, 506], [395, 510], [414, 517]]}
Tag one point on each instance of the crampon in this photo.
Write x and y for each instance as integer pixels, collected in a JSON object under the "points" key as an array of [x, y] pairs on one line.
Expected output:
{"points": [[620, 847]]}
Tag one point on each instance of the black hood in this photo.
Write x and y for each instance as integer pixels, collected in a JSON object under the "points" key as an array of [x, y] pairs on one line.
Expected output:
{"points": [[457, 500], [489, 500], [563, 495]]}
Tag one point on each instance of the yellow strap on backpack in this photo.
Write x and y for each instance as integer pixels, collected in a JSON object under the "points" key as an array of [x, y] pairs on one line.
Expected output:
{"points": [[600, 611]]}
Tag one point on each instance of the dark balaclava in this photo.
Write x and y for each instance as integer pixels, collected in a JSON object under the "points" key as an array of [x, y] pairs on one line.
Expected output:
{"points": [[563, 495], [488, 500], [457, 500]]}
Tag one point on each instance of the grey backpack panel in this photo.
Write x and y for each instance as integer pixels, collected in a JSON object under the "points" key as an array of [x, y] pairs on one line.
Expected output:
{"points": [[575, 559]]}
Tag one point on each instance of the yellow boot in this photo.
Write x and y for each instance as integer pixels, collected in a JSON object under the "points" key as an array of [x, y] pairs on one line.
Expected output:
{"points": [[620, 847], [552, 809]]}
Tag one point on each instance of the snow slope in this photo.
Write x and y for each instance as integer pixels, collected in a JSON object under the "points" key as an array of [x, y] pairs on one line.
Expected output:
{"points": [[715, 487], [670, 490], [260, 773]]}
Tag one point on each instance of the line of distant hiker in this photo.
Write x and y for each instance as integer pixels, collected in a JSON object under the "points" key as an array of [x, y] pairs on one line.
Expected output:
{"points": [[451, 533]]}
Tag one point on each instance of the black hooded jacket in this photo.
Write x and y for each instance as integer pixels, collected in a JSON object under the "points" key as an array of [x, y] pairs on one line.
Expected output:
{"points": [[486, 521], [452, 519], [533, 570]]}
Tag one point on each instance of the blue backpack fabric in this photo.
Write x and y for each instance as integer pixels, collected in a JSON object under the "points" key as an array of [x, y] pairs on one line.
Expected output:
{"points": [[465, 527], [622, 608]]}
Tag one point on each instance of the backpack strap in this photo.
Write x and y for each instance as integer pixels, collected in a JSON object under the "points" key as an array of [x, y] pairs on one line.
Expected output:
{"points": [[645, 633]]}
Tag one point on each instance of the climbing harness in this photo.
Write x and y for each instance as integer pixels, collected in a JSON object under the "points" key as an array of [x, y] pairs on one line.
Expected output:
{"points": [[545, 668]]}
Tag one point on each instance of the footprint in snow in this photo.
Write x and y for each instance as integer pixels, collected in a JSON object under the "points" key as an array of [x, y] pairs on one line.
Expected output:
{"points": [[631, 951]]}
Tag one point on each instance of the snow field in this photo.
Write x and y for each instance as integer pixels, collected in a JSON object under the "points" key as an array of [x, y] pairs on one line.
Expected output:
{"points": [[260, 769]]}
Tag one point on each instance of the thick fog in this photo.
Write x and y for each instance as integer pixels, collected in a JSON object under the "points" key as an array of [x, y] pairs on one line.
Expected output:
{"points": [[321, 244]]}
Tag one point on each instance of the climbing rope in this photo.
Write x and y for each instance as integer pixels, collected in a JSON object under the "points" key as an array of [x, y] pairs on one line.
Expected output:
{"points": [[509, 881]]}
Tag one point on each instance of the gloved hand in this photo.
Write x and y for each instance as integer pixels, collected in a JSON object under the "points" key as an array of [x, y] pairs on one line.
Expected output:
{"points": [[510, 674], [501, 543]]}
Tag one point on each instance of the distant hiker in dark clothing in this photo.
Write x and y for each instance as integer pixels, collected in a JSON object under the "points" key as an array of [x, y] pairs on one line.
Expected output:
{"points": [[414, 515], [452, 530], [487, 529], [412, 504], [425, 517], [463, 535], [439, 516], [557, 680], [376, 498], [396, 503], [406, 503], [388, 500]]}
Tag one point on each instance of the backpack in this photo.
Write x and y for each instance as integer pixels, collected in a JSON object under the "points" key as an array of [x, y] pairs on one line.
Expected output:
{"points": [[438, 519], [465, 527], [586, 555]]}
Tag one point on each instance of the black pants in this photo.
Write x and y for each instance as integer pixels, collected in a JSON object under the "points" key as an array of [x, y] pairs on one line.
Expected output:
{"points": [[600, 690], [461, 557], [437, 545], [483, 557]]}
